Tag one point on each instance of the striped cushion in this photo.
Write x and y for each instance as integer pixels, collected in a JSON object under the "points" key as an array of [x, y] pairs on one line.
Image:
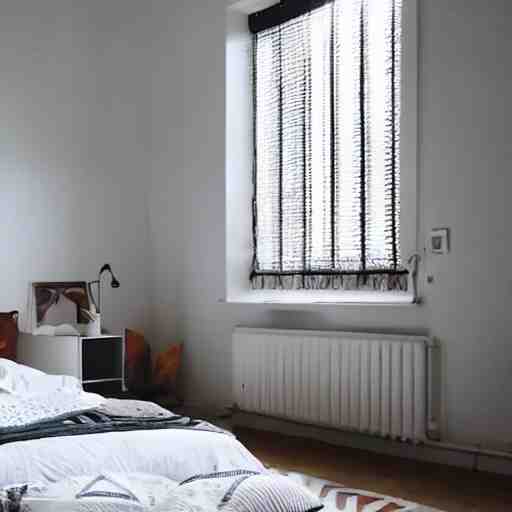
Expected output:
{"points": [[269, 493], [240, 491]]}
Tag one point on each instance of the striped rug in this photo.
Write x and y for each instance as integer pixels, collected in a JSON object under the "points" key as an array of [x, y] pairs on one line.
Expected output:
{"points": [[338, 498]]}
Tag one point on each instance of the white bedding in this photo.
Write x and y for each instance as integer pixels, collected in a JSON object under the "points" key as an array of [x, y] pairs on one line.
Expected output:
{"points": [[175, 454], [28, 396], [19, 380]]}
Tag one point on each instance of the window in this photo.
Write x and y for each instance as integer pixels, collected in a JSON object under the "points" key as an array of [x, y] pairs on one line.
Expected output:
{"points": [[326, 106]]}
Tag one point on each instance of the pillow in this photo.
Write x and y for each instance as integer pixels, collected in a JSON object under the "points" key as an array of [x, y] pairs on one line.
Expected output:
{"points": [[241, 491], [8, 334], [18, 379], [108, 492], [11, 498], [269, 493]]}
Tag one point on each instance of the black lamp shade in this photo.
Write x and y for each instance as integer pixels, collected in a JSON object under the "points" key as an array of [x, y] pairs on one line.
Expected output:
{"points": [[107, 268]]}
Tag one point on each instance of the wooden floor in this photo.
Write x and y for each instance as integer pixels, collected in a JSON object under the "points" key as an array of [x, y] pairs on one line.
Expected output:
{"points": [[449, 489]]}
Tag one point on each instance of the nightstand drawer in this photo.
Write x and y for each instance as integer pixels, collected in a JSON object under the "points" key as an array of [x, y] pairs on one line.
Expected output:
{"points": [[102, 358]]}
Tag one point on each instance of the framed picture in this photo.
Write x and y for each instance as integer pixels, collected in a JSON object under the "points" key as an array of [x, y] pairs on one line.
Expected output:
{"points": [[439, 241], [61, 302]]}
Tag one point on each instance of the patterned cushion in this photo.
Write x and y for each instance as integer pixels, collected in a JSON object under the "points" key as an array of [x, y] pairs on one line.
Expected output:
{"points": [[110, 492], [8, 335], [241, 491], [270, 493]]}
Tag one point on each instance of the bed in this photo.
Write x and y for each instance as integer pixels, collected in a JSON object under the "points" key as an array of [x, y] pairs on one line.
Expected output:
{"points": [[175, 453], [178, 449]]}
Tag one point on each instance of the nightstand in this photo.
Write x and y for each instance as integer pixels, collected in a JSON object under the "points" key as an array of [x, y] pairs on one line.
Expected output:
{"points": [[98, 362]]}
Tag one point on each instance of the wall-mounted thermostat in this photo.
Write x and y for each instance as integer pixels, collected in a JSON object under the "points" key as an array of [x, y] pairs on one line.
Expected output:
{"points": [[439, 242]]}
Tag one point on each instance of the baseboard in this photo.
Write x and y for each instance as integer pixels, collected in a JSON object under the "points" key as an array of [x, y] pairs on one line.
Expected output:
{"points": [[438, 455], [200, 408]]}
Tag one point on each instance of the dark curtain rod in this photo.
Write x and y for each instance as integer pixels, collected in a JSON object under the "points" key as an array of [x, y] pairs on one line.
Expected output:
{"points": [[282, 12]]}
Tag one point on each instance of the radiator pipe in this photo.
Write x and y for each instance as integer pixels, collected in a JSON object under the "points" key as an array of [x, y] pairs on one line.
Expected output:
{"points": [[471, 450], [432, 430]]}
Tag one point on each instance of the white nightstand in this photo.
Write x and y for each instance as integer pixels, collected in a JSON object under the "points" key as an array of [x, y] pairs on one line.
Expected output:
{"points": [[98, 362]]}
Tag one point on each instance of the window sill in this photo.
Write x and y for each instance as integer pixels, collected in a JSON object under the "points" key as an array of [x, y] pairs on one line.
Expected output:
{"points": [[327, 298]]}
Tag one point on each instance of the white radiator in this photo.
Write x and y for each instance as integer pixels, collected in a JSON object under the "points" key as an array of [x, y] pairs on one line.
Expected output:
{"points": [[370, 383]]}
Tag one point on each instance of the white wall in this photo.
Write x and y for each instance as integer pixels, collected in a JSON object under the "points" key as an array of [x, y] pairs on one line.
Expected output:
{"points": [[166, 197], [112, 114], [72, 158], [464, 179]]}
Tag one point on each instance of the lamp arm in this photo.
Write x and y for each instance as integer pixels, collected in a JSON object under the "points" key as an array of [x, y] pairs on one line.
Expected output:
{"points": [[114, 284], [104, 268], [91, 294]]}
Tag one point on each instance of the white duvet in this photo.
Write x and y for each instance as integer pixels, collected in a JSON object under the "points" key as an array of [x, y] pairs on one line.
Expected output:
{"points": [[177, 454]]}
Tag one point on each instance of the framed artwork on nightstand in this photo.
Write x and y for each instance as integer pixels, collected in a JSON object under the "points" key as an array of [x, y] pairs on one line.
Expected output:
{"points": [[61, 302]]}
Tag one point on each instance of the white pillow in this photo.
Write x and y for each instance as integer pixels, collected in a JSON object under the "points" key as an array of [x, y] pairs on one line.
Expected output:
{"points": [[270, 493], [109, 492], [15, 377], [19, 379], [29, 396], [241, 491]]}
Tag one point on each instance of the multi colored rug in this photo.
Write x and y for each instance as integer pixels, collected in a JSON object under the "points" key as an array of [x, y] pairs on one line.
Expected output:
{"points": [[338, 498]]}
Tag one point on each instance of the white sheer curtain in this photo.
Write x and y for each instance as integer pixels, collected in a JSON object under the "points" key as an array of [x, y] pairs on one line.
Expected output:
{"points": [[327, 163]]}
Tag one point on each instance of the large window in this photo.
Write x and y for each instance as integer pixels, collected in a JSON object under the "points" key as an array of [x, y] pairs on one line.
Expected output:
{"points": [[326, 86]]}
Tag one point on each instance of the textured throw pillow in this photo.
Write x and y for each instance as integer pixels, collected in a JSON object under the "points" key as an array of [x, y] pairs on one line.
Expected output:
{"points": [[19, 379], [110, 492], [10, 499], [16, 378], [241, 491], [269, 493], [8, 334]]}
